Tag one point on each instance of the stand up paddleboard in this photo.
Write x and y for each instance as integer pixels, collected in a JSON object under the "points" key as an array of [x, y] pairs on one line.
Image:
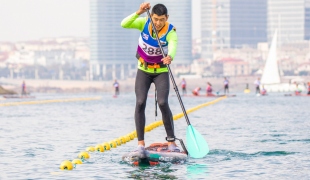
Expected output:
{"points": [[296, 95], [156, 153]]}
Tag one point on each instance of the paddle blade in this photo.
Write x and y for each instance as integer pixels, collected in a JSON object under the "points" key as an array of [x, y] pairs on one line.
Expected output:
{"points": [[196, 145]]}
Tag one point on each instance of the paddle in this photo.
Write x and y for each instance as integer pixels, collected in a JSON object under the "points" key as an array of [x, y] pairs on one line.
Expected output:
{"points": [[196, 144], [218, 92]]}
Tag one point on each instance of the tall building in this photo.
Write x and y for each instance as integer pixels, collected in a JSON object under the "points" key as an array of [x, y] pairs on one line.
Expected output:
{"points": [[113, 48], [232, 24], [180, 15], [248, 20], [289, 18], [307, 20]]}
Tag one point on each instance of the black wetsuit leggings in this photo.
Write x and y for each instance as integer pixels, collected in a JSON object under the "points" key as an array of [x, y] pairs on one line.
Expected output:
{"points": [[257, 90], [226, 89], [142, 86]]}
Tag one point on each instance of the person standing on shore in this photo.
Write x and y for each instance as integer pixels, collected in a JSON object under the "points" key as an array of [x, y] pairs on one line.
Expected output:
{"points": [[183, 85], [152, 67], [116, 87], [226, 87], [257, 84], [24, 93]]}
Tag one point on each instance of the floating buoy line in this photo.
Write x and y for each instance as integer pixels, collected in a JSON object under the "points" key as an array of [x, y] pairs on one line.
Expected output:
{"points": [[49, 101], [106, 146]]}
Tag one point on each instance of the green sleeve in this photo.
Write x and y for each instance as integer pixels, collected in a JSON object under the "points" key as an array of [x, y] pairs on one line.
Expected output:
{"points": [[172, 39], [133, 21]]}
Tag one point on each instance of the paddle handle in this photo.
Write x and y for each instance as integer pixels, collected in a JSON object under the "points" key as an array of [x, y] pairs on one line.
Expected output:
{"points": [[169, 70]]}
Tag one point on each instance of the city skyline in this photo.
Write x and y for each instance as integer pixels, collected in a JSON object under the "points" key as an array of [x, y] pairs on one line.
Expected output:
{"points": [[72, 19]]}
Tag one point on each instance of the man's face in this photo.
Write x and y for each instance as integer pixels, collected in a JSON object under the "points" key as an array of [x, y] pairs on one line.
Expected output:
{"points": [[159, 21]]}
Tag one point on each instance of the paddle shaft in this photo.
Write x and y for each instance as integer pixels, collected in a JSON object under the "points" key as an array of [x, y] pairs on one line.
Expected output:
{"points": [[169, 70], [155, 103]]}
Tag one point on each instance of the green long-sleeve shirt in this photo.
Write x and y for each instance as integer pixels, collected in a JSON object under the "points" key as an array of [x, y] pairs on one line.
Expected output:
{"points": [[133, 21]]}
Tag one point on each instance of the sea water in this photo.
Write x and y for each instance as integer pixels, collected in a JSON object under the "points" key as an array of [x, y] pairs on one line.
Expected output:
{"points": [[249, 137]]}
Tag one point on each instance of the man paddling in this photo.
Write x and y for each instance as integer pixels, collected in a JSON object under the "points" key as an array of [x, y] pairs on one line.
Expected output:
{"points": [[24, 89], [152, 67], [257, 84], [116, 87], [183, 84], [226, 86]]}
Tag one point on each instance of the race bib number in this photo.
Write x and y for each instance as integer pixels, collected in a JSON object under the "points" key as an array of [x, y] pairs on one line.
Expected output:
{"points": [[150, 50]]}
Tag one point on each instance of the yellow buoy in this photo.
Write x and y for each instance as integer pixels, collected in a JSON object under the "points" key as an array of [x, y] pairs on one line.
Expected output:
{"points": [[147, 129], [247, 91], [118, 141], [90, 149], [157, 123], [66, 165], [106, 146], [99, 148], [123, 139], [131, 136], [112, 144], [134, 134], [77, 161], [84, 155], [152, 125], [127, 138]]}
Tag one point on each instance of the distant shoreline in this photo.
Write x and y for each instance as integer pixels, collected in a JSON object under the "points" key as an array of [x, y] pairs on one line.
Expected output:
{"points": [[237, 84]]}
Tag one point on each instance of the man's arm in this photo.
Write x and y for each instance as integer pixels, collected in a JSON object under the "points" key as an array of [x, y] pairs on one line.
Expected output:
{"points": [[133, 21], [172, 39]]}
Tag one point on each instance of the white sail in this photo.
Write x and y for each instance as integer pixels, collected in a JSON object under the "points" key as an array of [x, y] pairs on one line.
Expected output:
{"points": [[271, 77], [271, 71]]}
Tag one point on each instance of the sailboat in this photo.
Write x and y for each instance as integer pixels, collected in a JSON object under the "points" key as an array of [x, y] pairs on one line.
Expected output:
{"points": [[271, 79]]}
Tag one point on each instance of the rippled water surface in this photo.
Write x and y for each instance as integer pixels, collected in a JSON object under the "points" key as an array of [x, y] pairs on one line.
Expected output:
{"points": [[249, 138]]}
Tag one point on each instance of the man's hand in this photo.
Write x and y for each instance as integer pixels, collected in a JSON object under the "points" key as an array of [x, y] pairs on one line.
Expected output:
{"points": [[143, 8], [166, 60]]}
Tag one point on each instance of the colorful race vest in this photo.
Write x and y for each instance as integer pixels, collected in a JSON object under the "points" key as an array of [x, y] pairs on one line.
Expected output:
{"points": [[257, 83], [209, 89], [183, 83], [148, 48]]}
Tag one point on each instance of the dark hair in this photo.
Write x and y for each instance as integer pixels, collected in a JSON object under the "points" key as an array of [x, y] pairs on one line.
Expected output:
{"points": [[160, 9]]}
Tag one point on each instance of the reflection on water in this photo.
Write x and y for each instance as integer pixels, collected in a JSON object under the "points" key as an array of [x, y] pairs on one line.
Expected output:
{"points": [[248, 136], [162, 171], [197, 171]]}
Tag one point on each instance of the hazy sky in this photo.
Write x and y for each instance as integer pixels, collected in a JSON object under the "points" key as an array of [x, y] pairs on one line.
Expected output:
{"points": [[33, 19]]}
